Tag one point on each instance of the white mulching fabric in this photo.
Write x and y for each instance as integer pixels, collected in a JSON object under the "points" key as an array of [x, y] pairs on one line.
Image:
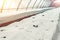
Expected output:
{"points": [[39, 27]]}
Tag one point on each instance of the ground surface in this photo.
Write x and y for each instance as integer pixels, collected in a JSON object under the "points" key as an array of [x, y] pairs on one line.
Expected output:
{"points": [[39, 27]]}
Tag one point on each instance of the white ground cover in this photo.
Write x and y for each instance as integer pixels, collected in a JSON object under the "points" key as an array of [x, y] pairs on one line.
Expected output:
{"points": [[39, 27]]}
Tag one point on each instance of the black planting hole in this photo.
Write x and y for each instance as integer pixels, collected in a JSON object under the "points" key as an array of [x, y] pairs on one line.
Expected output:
{"points": [[43, 15], [52, 20], [35, 26], [1, 30], [33, 17], [4, 37]]}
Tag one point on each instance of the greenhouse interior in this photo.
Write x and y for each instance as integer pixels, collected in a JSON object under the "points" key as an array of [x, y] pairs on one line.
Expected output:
{"points": [[29, 19]]}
